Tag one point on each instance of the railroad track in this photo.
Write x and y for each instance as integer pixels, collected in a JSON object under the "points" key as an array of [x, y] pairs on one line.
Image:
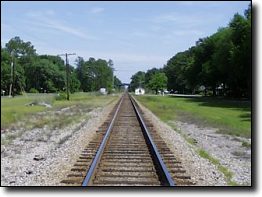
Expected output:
{"points": [[127, 151]]}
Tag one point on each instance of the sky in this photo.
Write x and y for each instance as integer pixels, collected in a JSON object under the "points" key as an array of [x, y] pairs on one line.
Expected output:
{"points": [[137, 36]]}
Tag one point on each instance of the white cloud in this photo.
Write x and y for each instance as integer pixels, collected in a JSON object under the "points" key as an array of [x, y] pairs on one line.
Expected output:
{"points": [[96, 10], [47, 19]]}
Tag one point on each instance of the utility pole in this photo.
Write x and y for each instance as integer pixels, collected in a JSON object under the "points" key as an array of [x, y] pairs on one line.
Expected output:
{"points": [[12, 84], [113, 78], [67, 73], [111, 64]]}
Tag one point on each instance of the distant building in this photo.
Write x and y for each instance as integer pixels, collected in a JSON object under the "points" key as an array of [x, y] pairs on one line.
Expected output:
{"points": [[102, 91], [139, 91]]}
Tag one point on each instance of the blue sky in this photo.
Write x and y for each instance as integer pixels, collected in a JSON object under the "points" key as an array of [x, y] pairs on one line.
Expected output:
{"points": [[135, 35]]}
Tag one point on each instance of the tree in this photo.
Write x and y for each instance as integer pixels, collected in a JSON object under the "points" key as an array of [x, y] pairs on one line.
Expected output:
{"points": [[45, 76], [137, 80], [20, 48], [46, 73], [241, 54], [74, 83], [23, 55], [117, 83], [6, 79], [150, 73], [158, 82], [94, 74], [80, 71], [222, 57], [181, 73], [111, 64]]}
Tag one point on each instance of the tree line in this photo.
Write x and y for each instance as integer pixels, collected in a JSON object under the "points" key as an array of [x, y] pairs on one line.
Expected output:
{"points": [[218, 65], [153, 80], [47, 73]]}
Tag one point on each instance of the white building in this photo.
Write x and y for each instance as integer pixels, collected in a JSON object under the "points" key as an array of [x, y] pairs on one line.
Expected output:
{"points": [[139, 91], [102, 91]]}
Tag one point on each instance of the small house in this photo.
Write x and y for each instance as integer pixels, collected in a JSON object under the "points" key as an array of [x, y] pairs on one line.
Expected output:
{"points": [[139, 91], [103, 91]]}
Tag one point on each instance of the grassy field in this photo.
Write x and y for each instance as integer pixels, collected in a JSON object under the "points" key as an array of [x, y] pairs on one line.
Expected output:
{"points": [[15, 109], [231, 117]]}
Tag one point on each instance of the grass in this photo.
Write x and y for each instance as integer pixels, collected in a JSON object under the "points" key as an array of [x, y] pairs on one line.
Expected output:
{"points": [[9, 137], [15, 109], [230, 117], [246, 144], [55, 122], [190, 140], [227, 173]]}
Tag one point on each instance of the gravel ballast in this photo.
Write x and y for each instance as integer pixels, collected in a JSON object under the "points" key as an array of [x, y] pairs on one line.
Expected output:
{"points": [[42, 157]]}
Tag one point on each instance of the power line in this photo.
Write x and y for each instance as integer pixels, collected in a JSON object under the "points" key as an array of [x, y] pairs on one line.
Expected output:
{"points": [[67, 73]]}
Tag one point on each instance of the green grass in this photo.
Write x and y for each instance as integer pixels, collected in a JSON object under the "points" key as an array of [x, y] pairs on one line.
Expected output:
{"points": [[15, 109], [205, 155], [227, 173], [230, 117], [246, 144], [190, 140]]}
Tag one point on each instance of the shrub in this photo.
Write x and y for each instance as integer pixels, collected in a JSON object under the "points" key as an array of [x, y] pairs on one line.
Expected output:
{"points": [[33, 90], [61, 96]]}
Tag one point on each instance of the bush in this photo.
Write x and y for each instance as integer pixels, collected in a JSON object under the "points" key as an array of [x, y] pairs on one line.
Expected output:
{"points": [[61, 96], [33, 90]]}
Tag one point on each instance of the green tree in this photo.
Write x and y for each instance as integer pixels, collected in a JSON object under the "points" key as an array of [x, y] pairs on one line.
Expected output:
{"points": [[137, 80], [6, 79], [181, 73], [46, 76], [150, 73], [20, 48], [23, 55], [117, 83], [94, 74], [240, 81], [158, 82], [74, 83], [222, 57]]}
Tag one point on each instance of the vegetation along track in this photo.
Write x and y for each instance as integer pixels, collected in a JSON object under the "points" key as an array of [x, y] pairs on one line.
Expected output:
{"points": [[127, 151]]}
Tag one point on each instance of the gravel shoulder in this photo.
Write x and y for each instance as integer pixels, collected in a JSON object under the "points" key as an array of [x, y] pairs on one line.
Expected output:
{"points": [[42, 156], [228, 150]]}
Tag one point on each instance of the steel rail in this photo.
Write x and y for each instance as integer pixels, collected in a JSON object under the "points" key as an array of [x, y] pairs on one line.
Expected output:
{"points": [[164, 174], [100, 151]]}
